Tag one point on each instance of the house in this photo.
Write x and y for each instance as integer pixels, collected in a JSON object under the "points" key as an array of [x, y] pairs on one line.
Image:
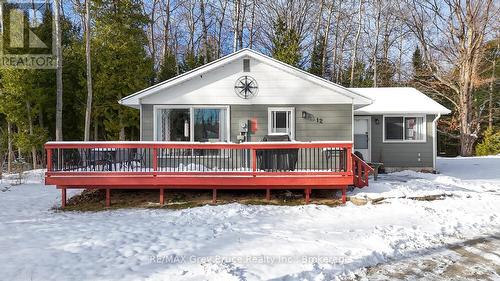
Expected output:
{"points": [[247, 96], [248, 121]]}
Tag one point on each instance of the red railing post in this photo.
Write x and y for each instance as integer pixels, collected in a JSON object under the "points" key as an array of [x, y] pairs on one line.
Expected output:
{"points": [[349, 167], [155, 159], [49, 160], [254, 160]]}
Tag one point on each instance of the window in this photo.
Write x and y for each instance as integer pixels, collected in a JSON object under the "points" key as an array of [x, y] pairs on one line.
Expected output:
{"points": [[209, 124], [246, 65], [201, 124], [281, 121], [172, 124], [404, 128]]}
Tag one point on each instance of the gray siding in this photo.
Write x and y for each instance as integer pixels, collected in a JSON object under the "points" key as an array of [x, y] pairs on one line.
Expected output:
{"points": [[396, 155], [147, 122], [336, 126]]}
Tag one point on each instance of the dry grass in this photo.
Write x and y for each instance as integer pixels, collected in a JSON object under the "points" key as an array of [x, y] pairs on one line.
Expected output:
{"points": [[94, 200]]}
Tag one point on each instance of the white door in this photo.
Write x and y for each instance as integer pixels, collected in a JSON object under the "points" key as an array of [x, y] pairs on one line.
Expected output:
{"points": [[362, 136]]}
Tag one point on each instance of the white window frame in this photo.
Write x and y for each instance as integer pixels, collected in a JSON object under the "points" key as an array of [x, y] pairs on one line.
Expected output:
{"points": [[292, 121], [404, 140], [191, 118]]}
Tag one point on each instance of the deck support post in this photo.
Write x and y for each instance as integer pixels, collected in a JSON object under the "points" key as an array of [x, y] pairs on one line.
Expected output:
{"points": [[268, 194], [308, 195], [63, 197], [108, 197], [344, 194], [162, 196], [214, 196]]}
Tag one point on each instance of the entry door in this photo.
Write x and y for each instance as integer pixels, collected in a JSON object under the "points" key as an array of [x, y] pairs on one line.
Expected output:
{"points": [[362, 136]]}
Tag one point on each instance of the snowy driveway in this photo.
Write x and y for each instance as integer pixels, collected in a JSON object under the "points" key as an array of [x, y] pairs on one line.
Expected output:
{"points": [[238, 242]]}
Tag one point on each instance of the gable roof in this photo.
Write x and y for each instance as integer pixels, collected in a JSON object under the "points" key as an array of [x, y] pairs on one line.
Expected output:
{"points": [[398, 101], [134, 100]]}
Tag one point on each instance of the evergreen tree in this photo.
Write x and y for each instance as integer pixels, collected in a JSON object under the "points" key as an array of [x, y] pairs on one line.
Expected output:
{"points": [[286, 44], [386, 72], [362, 76], [190, 61], [418, 64], [317, 56], [168, 68], [120, 64]]}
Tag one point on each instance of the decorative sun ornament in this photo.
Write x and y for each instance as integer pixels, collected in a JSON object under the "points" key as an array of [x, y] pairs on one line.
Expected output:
{"points": [[246, 87]]}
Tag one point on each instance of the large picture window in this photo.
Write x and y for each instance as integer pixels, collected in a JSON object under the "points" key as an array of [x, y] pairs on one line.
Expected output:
{"points": [[404, 128], [281, 121], [201, 124]]}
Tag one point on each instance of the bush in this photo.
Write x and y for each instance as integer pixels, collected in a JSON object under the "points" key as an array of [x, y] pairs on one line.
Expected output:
{"points": [[490, 144]]}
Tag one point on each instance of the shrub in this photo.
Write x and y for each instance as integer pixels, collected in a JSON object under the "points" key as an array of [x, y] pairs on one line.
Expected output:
{"points": [[490, 144]]}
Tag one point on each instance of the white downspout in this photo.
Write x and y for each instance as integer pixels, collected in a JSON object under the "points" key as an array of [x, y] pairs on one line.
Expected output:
{"points": [[434, 141]]}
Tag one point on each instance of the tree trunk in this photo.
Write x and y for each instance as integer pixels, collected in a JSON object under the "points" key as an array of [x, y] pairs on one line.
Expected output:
{"points": [[204, 32], [96, 129], [375, 49], [242, 17], [250, 43], [10, 151], [335, 47], [220, 25], [318, 23], [355, 49], [325, 42], [166, 30], [59, 82], [236, 23], [30, 126], [492, 87], [88, 110]]}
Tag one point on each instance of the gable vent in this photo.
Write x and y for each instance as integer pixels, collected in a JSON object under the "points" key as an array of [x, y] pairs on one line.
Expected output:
{"points": [[246, 65]]}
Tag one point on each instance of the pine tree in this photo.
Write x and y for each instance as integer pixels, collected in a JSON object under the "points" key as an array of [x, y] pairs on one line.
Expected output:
{"points": [[190, 61], [418, 64], [120, 64], [286, 44], [317, 57], [168, 68]]}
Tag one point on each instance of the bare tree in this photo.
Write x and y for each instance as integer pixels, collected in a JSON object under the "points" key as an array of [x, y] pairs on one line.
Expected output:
{"points": [[88, 109], [378, 14], [204, 28], [252, 21], [492, 85], [326, 39], [452, 35], [59, 82], [236, 23], [355, 49]]}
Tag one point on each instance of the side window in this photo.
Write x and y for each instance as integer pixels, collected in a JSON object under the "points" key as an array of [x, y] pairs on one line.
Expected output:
{"points": [[404, 128], [281, 121]]}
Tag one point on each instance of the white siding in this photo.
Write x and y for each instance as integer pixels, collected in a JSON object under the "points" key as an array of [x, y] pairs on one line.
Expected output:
{"points": [[276, 86]]}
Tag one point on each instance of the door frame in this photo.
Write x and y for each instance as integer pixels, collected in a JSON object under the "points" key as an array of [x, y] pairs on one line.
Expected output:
{"points": [[369, 121]]}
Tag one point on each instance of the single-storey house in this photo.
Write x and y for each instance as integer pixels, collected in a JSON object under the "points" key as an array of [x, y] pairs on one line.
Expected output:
{"points": [[250, 97], [248, 121]]}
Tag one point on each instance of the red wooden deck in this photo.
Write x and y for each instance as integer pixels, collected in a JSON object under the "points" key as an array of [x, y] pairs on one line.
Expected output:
{"points": [[215, 166]]}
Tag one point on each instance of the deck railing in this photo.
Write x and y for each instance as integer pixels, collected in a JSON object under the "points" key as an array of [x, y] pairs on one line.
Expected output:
{"points": [[195, 158]]}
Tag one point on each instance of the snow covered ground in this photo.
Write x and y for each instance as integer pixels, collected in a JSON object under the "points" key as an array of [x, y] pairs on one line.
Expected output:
{"points": [[238, 242]]}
